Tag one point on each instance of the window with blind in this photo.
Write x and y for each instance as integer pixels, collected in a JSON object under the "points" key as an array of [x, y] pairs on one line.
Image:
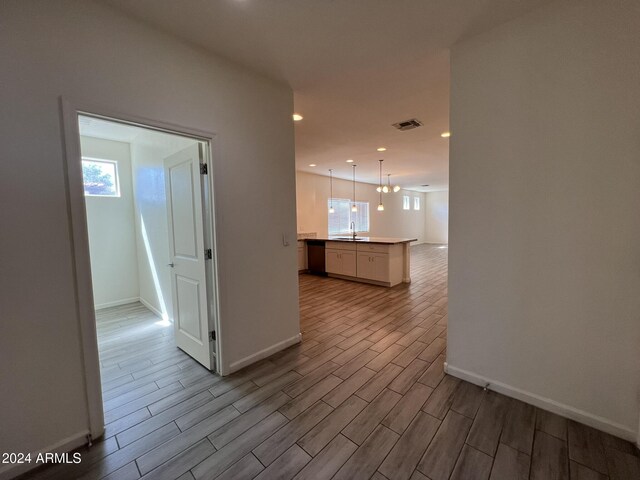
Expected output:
{"points": [[340, 220]]}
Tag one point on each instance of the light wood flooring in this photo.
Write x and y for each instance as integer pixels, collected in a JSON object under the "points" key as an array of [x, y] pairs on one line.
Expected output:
{"points": [[363, 397]]}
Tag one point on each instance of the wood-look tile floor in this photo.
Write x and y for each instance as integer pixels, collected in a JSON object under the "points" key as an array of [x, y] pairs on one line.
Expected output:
{"points": [[363, 396]]}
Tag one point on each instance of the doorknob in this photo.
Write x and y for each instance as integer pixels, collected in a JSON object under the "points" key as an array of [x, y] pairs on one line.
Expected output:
{"points": [[170, 265]]}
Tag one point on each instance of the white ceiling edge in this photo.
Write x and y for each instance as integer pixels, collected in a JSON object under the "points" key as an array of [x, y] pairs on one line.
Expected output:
{"points": [[355, 68], [134, 135]]}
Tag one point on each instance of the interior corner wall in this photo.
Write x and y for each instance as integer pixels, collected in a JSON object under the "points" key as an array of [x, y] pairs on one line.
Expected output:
{"points": [[57, 49], [313, 192], [437, 217], [111, 228], [148, 151], [544, 235]]}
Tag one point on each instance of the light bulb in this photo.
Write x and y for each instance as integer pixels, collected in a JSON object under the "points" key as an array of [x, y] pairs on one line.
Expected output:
{"points": [[385, 189], [380, 207], [354, 208], [396, 188], [332, 210], [379, 189]]}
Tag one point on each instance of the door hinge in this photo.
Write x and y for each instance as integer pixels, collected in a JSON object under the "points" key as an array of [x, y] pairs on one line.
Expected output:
{"points": [[212, 336], [208, 254], [204, 169]]}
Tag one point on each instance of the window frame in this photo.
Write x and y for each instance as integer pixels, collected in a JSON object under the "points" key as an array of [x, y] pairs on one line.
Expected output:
{"points": [[406, 202], [416, 203], [336, 203], [118, 193]]}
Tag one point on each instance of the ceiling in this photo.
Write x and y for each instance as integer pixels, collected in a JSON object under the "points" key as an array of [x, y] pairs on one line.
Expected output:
{"points": [[355, 66], [122, 132]]}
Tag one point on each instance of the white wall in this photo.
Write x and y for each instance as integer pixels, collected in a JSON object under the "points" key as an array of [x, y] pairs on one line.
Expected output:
{"points": [[312, 195], [148, 151], [437, 217], [110, 221], [89, 53], [545, 239]]}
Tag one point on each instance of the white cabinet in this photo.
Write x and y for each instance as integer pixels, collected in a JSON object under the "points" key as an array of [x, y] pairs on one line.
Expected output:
{"points": [[302, 256], [373, 266], [340, 262], [333, 264], [349, 263], [381, 264]]}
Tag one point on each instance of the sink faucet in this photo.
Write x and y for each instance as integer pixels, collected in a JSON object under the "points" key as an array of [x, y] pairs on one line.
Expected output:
{"points": [[353, 227]]}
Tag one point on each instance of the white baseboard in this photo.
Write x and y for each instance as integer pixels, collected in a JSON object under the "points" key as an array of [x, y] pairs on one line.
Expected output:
{"points": [[150, 307], [568, 411], [267, 352], [116, 303], [8, 471]]}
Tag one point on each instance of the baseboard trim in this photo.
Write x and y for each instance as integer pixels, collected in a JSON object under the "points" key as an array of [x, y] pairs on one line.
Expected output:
{"points": [[267, 352], [562, 409], [150, 307], [117, 303], [362, 280], [8, 471]]}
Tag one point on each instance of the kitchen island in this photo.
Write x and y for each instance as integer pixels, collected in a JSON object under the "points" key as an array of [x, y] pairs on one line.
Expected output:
{"points": [[376, 260]]}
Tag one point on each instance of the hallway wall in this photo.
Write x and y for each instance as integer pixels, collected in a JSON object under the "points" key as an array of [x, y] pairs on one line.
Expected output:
{"points": [[545, 238], [90, 54]]}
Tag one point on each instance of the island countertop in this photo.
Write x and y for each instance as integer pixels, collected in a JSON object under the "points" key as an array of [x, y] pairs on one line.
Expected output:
{"points": [[381, 240]]}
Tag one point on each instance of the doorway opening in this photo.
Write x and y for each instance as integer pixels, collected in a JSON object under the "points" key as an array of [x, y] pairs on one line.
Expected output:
{"points": [[147, 197]]}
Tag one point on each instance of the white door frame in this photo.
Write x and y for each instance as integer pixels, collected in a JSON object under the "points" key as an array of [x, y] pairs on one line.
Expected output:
{"points": [[76, 211]]}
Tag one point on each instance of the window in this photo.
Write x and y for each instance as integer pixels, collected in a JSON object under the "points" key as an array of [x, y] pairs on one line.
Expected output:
{"points": [[340, 220], [100, 178], [405, 202], [416, 203]]}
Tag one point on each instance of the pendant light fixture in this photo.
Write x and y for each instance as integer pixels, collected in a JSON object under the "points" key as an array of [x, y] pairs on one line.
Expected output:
{"points": [[380, 205], [331, 209], [354, 207], [388, 188]]}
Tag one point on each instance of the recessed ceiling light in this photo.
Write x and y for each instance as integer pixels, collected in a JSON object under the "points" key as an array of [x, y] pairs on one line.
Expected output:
{"points": [[297, 117], [349, 161], [312, 165], [445, 134], [381, 149]]}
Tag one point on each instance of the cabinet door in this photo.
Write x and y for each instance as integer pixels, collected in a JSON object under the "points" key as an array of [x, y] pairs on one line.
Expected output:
{"points": [[348, 263], [301, 259], [365, 266], [380, 267], [333, 263]]}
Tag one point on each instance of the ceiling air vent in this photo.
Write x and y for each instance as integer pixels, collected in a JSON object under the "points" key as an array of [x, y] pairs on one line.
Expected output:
{"points": [[408, 124]]}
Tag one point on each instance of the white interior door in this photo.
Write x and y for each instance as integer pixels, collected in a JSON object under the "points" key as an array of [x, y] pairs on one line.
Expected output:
{"points": [[187, 252]]}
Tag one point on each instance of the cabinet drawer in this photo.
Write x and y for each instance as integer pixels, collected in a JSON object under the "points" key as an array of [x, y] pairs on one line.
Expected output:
{"points": [[373, 247], [341, 245]]}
